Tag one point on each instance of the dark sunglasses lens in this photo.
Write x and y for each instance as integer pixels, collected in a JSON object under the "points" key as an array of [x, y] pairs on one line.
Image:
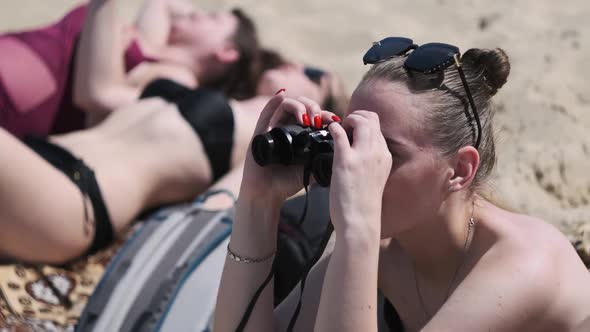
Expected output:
{"points": [[314, 74], [431, 58], [388, 48]]}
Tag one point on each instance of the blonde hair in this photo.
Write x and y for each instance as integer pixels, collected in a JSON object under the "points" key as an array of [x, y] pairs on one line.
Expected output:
{"points": [[447, 111]]}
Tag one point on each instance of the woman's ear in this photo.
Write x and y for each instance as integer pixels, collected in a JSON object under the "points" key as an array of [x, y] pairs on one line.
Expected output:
{"points": [[466, 163]]}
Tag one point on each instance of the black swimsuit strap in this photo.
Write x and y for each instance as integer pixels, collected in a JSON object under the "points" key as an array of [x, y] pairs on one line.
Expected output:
{"points": [[84, 178], [209, 114]]}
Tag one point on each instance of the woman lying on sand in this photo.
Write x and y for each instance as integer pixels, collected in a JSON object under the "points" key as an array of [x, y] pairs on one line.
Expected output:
{"points": [[408, 213], [63, 71], [70, 194]]}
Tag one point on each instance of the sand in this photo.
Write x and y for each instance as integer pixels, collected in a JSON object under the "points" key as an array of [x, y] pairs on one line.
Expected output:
{"points": [[543, 123]]}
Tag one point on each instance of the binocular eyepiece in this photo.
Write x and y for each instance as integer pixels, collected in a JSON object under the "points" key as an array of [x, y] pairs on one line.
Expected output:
{"points": [[294, 144]]}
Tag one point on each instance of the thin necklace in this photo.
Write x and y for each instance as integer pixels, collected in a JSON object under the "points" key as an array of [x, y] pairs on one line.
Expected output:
{"points": [[466, 246]]}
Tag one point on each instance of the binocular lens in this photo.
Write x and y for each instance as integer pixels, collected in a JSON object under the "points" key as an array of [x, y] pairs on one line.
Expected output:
{"points": [[292, 144], [278, 146], [262, 150]]}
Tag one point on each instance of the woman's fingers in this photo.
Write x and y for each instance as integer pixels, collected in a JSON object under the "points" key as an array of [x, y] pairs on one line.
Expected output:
{"points": [[267, 112], [329, 117], [365, 128], [289, 111], [341, 142], [360, 130], [314, 112], [281, 110], [318, 117]]}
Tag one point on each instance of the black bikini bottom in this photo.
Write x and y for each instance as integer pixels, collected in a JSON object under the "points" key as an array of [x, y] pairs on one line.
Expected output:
{"points": [[210, 115], [83, 177], [391, 317]]}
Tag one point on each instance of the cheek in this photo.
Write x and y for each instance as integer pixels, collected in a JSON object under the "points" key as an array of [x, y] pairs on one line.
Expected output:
{"points": [[403, 186], [412, 194]]}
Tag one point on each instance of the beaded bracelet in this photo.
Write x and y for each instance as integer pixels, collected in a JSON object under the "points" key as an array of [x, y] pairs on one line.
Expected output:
{"points": [[247, 260]]}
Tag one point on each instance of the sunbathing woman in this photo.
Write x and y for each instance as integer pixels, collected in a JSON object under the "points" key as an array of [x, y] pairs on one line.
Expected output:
{"points": [[407, 212], [70, 194], [61, 70]]}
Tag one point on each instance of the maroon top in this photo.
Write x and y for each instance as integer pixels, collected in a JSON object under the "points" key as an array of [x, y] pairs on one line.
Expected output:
{"points": [[36, 77]]}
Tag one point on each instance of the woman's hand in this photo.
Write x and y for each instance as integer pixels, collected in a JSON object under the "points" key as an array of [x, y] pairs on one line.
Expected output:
{"points": [[254, 232], [359, 174], [276, 183]]}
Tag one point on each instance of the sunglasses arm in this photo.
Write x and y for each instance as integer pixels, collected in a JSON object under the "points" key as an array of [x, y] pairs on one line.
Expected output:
{"points": [[469, 97]]}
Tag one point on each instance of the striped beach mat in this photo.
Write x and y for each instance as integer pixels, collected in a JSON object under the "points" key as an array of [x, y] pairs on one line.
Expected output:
{"points": [[165, 278]]}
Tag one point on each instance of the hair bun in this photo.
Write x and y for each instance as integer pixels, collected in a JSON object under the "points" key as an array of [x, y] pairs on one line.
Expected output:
{"points": [[495, 65]]}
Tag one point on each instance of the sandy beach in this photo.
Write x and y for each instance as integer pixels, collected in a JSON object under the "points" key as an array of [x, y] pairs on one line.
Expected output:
{"points": [[543, 123]]}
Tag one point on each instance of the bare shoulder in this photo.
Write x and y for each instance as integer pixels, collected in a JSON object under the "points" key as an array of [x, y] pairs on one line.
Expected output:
{"points": [[562, 277], [535, 272], [533, 243], [525, 237]]}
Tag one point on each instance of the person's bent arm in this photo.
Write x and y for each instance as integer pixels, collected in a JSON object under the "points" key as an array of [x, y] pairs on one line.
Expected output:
{"points": [[313, 286], [99, 78], [254, 236], [240, 281], [155, 16], [349, 293]]}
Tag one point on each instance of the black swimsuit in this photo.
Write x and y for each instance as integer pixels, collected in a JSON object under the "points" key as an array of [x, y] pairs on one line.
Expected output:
{"points": [[83, 177], [391, 317], [210, 115], [207, 111]]}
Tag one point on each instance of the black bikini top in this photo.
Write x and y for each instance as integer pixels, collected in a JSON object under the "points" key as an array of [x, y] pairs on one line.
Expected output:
{"points": [[209, 114]]}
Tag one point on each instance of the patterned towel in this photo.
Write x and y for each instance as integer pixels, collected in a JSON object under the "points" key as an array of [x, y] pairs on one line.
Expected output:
{"points": [[48, 298]]}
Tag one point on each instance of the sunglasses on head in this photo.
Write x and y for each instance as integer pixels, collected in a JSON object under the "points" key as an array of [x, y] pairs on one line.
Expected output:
{"points": [[427, 59], [314, 74]]}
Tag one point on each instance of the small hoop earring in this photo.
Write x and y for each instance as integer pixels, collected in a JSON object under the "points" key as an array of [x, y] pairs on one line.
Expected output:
{"points": [[451, 189]]}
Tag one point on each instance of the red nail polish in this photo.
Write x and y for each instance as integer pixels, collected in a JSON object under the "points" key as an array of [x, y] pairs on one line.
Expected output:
{"points": [[281, 90], [317, 122], [336, 118], [306, 121]]}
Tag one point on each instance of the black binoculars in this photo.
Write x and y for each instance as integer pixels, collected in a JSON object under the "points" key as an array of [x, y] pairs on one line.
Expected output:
{"points": [[295, 144]]}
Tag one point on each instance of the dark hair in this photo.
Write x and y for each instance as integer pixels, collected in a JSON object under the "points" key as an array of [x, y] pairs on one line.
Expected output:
{"points": [[486, 72], [271, 59], [241, 79]]}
